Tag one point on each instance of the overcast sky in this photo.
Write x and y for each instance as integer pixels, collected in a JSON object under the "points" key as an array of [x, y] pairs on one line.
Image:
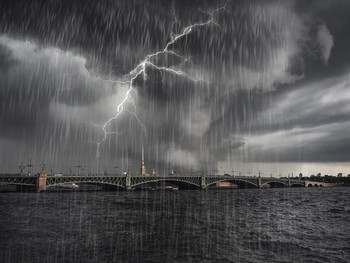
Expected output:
{"points": [[255, 85]]}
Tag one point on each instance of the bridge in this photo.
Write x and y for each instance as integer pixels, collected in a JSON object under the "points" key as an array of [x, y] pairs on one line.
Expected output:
{"points": [[43, 181]]}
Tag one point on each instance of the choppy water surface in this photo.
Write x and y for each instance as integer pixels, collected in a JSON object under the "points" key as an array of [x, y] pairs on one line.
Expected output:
{"points": [[268, 225]]}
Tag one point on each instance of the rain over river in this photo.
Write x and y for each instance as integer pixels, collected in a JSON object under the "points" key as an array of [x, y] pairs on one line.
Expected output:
{"points": [[239, 225], [235, 88]]}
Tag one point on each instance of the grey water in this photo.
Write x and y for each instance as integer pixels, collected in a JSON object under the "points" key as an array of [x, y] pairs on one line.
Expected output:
{"points": [[242, 225]]}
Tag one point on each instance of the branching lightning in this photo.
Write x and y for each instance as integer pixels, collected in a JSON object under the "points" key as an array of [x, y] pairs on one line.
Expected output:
{"points": [[140, 69]]}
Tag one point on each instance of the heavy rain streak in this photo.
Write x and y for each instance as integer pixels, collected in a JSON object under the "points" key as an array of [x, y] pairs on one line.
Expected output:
{"points": [[163, 98]]}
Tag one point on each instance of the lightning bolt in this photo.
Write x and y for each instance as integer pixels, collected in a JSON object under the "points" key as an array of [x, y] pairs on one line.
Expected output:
{"points": [[140, 70]]}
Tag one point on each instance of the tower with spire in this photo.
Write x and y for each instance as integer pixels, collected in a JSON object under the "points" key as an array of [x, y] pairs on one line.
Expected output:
{"points": [[143, 169]]}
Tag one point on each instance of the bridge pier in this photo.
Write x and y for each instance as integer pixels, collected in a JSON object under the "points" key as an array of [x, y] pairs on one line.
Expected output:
{"points": [[127, 182], [41, 182], [203, 185], [259, 184]]}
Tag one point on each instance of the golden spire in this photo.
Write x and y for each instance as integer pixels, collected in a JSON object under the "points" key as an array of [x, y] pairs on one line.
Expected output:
{"points": [[143, 169]]}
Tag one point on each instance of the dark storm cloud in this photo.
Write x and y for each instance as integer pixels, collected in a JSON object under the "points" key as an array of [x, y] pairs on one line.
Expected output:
{"points": [[307, 124], [34, 77], [328, 143], [320, 103], [108, 29], [252, 75], [48, 101], [323, 41], [334, 15], [6, 59]]}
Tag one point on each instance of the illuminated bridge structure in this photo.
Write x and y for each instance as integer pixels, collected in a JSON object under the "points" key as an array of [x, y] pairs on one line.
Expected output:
{"points": [[43, 181]]}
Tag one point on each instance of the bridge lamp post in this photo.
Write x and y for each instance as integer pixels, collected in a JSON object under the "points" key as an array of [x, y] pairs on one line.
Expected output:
{"points": [[29, 166], [21, 168], [43, 166], [79, 168], [260, 173]]}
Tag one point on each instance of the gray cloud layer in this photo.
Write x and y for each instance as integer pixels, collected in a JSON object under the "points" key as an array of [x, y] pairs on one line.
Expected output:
{"points": [[260, 92]]}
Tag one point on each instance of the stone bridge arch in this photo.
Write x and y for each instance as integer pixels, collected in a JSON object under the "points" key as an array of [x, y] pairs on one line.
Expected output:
{"points": [[181, 183], [313, 184], [102, 181], [87, 182]]}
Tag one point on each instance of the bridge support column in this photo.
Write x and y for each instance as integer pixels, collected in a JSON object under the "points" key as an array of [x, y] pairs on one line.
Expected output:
{"points": [[41, 182], [127, 182], [203, 185], [259, 184]]}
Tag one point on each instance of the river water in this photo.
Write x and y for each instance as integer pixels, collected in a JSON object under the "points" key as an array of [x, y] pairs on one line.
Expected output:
{"points": [[240, 225]]}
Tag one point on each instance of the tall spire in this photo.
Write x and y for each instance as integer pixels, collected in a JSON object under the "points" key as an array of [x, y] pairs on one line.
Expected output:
{"points": [[143, 169]]}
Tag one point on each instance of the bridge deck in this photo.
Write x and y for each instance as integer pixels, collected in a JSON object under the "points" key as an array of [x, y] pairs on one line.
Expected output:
{"points": [[129, 181]]}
